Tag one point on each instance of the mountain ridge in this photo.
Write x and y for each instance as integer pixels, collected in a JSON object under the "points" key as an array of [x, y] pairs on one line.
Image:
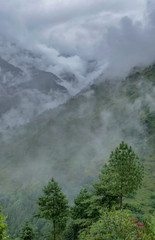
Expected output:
{"points": [[73, 141]]}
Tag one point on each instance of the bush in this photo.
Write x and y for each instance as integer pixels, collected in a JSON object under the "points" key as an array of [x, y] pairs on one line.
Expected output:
{"points": [[117, 225], [3, 228], [27, 232]]}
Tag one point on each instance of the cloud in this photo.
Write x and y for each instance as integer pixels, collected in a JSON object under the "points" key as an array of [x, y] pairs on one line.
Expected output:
{"points": [[130, 44], [70, 33]]}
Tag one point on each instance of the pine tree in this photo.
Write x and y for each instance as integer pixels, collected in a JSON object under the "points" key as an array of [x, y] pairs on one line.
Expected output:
{"points": [[53, 205], [85, 209], [123, 174], [27, 232], [102, 190], [81, 204]]}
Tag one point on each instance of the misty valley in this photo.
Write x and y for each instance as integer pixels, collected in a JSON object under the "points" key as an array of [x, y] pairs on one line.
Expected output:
{"points": [[77, 120], [70, 143]]}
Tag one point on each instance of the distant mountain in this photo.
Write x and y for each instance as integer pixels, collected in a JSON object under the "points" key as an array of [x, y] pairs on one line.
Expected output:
{"points": [[9, 68], [44, 82], [50, 129], [72, 141], [29, 88], [26, 94]]}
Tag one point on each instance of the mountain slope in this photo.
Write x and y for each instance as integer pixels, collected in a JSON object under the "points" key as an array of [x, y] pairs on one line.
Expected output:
{"points": [[73, 141], [102, 115], [24, 94]]}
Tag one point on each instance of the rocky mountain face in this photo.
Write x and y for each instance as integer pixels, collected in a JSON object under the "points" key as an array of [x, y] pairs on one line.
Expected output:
{"points": [[28, 87], [24, 94]]}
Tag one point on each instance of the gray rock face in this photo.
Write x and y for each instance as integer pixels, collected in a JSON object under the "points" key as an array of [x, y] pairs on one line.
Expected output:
{"points": [[7, 67], [70, 77], [26, 94], [43, 82]]}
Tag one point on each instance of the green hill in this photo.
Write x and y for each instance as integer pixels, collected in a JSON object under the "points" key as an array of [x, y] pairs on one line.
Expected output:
{"points": [[71, 143]]}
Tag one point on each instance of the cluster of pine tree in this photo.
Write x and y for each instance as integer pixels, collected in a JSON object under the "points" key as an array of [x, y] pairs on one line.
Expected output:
{"points": [[97, 213]]}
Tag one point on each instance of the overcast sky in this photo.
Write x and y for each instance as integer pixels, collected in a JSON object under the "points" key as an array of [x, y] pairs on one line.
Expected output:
{"points": [[117, 33]]}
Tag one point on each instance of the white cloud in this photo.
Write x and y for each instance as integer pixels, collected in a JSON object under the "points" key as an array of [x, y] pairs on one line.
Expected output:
{"points": [[70, 32]]}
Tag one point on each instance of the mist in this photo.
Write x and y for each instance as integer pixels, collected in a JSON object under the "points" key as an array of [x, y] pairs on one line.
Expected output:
{"points": [[72, 142], [92, 40], [66, 35], [74, 82]]}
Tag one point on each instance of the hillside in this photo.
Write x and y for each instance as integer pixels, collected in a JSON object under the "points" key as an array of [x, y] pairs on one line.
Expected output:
{"points": [[71, 143], [26, 92]]}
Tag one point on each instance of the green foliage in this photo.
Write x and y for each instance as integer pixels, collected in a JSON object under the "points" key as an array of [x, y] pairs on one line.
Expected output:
{"points": [[85, 209], [102, 189], [149, 229], [53, 205], [70, 232], [3, 228], [117, 225], [68, 148], [122, 175], [27, 232], [135, 208], [153, 224]]}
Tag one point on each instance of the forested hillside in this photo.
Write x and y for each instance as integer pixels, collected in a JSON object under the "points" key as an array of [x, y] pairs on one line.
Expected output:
{"points": [[72, 142]]}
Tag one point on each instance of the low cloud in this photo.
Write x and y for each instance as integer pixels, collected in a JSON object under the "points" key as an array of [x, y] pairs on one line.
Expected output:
{"points": [[68, 34]]}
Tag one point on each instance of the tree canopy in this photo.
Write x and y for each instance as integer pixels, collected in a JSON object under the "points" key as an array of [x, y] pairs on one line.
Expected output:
{"points": [[118, 225], [27, 232], [53, 205], [122, 175]]}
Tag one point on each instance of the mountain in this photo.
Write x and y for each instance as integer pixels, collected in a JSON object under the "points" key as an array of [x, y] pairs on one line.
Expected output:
{"points": [[25, 93], [9, 68], [72, 139]]}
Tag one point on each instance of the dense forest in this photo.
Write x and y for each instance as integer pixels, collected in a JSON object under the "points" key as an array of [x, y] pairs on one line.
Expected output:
{"points": [[75, 141], [98, 212]]}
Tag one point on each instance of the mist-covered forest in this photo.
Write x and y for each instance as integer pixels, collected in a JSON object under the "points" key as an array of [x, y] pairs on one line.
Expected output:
{"points": [[71, 144], [77, 120]]}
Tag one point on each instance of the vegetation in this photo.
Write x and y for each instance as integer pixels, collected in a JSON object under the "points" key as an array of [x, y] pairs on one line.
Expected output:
{"points": [[74, 141], [70, 232], [85, 209], [27, 232], [89, 217], [53, 205], [117, 225], [3, 227], [123, 175]]}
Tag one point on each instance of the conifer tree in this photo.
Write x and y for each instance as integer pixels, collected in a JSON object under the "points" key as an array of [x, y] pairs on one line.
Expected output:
{"points": [[85, 209], [81, 204], [102, 189], [123, 174], [53, 205], [27, 232]]}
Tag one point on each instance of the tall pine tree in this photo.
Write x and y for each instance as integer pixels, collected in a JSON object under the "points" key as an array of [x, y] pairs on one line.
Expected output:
{"points": [[53, 205], [122, 175]]}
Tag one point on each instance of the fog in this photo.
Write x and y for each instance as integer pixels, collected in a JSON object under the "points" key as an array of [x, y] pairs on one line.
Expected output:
{"points": [[68, 34], [68, 131]]}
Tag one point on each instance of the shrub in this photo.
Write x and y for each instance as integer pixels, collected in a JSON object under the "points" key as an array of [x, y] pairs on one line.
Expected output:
{"points": [[117, 225], [3, 227]]}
